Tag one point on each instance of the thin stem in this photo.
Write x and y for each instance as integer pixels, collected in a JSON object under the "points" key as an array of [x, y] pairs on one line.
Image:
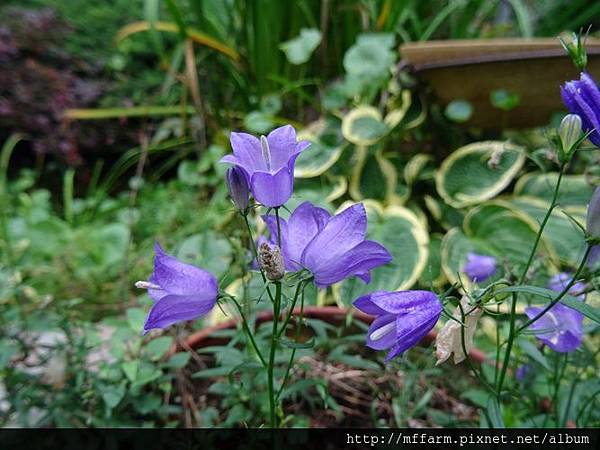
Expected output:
{"points": [[463, 343], [249, 332], [299, 288], [564, 292], [255, 253], [271, 364], [553, 204], [278, 227], [513, 309], [569, 401], [509, 344], [292, 356]]}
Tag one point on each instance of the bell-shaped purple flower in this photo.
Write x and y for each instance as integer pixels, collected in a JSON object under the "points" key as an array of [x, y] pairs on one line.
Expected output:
{"points": [[402, 318], [331, 247], [479, 267], [562, 279], [267, 163], [181, 291], [582, 97], [238, 188], [593, 215], [561, 328]]}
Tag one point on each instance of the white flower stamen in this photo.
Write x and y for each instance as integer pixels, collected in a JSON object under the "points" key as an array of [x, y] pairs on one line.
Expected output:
{"points": [[146, 285], [383, 331], [266, 151]]}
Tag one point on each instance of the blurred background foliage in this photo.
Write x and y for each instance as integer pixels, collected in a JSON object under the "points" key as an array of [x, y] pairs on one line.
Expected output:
{"points": [[114, 115]]}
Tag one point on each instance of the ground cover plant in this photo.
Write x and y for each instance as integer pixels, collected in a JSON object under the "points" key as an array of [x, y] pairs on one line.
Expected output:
{"points": [[287, 228]]}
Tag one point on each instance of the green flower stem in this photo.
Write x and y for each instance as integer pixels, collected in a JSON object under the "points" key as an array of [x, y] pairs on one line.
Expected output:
{"points": [[278, 228], [299, 288], [292, 356], [271, 364], [249, 332], [255, 253], [513, 307], [562, 293]]}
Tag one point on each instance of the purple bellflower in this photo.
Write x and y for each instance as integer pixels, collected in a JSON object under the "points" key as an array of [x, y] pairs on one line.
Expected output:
{"points": [[479, 267], [402, 318], [267, 163], [238, 188], [561, 328], [582, 97], [593, 225], [180, 291], [332, 248], [562, 279]]}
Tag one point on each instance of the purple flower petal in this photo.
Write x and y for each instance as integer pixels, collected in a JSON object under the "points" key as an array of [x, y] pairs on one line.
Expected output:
{"points": [[405, 302], [562, 279], [357, 261], [479, 267], [368, 306], [582, 97], [382, 332], [246, 149], [402, 318], [593, 214], [171, 309], [272, 190], [341, 233], [303, 225], [176, 277], [283, 146], [561, 328]]}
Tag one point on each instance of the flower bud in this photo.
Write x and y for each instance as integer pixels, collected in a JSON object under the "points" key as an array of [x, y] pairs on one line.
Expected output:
{"points": [[271, 261], [593, 215], [569, 133], [238, 188], [582, 97]]}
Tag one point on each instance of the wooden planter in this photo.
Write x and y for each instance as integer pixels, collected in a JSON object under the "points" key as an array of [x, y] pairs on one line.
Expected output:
{"points": [[472, 69]]}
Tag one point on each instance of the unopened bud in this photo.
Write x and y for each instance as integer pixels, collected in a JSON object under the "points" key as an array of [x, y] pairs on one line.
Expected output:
{"points": [[271, 261], [569, 133], [238, 188]]}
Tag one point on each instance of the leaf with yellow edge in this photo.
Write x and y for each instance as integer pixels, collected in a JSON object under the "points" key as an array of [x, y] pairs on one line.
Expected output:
{"points": [[363, 126], [400, 231], [477, 172]]}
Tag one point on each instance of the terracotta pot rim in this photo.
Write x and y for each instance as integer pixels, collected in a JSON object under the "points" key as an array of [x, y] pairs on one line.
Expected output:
{"points": [[330, 314]]}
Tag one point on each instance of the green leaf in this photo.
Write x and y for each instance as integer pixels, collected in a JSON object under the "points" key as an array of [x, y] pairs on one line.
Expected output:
{"points": [[370, 59], [564, 238], [207, 250], [400, 231], [299, 49], [156, 348], [478, 172], [112, 395], [136, 317], [533, 352], [459, 111], [293, 344], [326, 147], [259, 122], [179, 360], [504, 100], [493, 413], [130, 368], [213, 372], [574, 189], [363, 125]]}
